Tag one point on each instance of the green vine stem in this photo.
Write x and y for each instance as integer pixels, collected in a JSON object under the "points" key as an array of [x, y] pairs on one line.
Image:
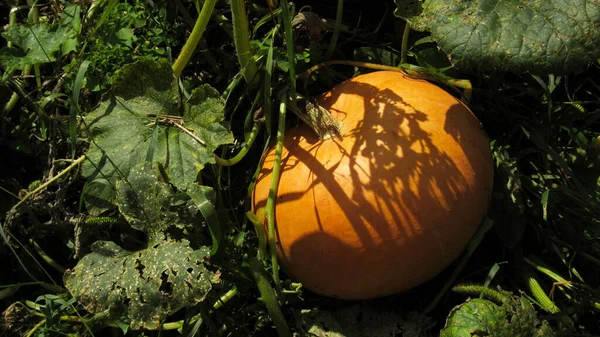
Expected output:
{"points": [[270, 207], [226, 297], [269, 298], [336, 30], [259, 228], [241, 37], [35, 328], [415, 72], [15, 86], [55, 178], [247, 145], [192, 42]]}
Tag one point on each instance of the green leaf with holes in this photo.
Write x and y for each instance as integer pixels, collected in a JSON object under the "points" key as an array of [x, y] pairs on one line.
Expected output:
{"points": [[121, 130], [145, 286], [516, 317], [551, 36]]}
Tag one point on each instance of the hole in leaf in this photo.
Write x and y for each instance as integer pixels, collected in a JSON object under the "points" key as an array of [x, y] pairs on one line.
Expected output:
{"points": [[140, 267], [165, 285]]}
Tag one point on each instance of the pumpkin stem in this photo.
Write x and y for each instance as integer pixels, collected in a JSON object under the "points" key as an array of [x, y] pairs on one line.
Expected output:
{"points": [[315, 116]]}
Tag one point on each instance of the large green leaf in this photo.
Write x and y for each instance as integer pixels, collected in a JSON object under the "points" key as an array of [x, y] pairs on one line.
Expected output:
{"points": [[474, 317], [121, 136], [41, 42], [480, 317], [142, 287], [143, 201], [547, 36]]}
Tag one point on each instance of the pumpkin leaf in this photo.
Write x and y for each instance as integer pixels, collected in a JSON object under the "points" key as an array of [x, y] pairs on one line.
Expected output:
{"points": [[142, 287], [552, 36], [481, 317], [36, 44], [142, 201], [474, 317], [121, 130]]}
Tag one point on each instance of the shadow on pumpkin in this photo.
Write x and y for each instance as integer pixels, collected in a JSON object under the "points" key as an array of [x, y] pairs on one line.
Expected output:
{"points": [[390, 176]]}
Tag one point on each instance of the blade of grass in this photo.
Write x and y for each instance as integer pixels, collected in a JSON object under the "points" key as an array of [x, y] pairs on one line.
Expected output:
{"points": [[74, 106], [46, 257], [269, 297], [266, 18], [25, 269], [210, 215], [336, 30], [96, 6], [153, 142], [212, 327], [404, 48]]}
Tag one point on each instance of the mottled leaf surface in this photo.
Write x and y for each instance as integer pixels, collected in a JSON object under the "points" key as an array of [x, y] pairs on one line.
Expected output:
{"points": [[550, 36], [142, 200], [144, 286], [36, 44], [481, 317], [472, 318], [121, 135]]}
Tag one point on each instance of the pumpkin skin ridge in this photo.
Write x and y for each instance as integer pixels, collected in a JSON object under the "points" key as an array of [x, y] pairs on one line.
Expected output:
{"points": [[350, 242]]}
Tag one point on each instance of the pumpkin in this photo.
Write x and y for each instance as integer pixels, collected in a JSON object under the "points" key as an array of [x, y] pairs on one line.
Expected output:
{"points": [[389, 203]]}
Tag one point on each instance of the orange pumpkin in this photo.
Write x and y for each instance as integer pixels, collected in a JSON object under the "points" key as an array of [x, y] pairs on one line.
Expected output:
{"points": [[392, 201]]}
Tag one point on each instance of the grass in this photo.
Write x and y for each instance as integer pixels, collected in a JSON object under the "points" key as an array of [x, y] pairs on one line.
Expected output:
{"points": [[543, 240]]}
